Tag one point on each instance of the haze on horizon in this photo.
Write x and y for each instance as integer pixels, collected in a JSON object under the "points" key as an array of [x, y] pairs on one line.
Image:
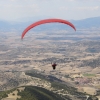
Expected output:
{"points": [[14, 10]]}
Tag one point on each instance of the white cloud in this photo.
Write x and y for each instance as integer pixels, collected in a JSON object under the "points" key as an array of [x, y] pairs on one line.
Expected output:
{"points": [[88, 8], [18, 7]]}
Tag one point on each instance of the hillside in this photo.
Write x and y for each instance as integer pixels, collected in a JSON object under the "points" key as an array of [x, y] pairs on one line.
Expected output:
{"points": [[30, 93], [57, 91], [38, 93]]}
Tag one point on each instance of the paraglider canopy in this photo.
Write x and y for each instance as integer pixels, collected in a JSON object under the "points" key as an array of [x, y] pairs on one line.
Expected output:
{"points": [[47, 21]]}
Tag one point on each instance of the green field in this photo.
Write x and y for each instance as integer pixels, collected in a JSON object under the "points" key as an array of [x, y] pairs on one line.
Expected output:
{"points": [[89, 75]]}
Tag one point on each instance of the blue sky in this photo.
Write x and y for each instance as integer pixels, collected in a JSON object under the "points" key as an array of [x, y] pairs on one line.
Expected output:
{"points": [[13, 10]]}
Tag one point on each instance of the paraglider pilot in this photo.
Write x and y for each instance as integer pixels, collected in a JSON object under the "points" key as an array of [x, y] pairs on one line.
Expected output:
{"points": [[54, 66]]}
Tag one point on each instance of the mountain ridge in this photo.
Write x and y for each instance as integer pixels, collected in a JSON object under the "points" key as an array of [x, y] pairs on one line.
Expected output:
{"points": [[93, 22]]}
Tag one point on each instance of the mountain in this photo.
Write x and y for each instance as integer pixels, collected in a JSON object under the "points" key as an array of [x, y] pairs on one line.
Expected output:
{"points": [[93, 22], [90, 23]]}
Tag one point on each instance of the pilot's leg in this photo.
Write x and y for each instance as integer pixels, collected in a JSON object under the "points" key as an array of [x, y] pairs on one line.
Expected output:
{"points": [[53, 67]]}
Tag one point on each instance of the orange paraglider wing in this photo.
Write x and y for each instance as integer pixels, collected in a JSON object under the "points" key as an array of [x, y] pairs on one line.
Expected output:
{"points": [[46, 21]]}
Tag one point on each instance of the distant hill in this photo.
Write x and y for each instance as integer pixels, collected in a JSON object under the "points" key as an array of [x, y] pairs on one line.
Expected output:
{"points": [[93, 22]]}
